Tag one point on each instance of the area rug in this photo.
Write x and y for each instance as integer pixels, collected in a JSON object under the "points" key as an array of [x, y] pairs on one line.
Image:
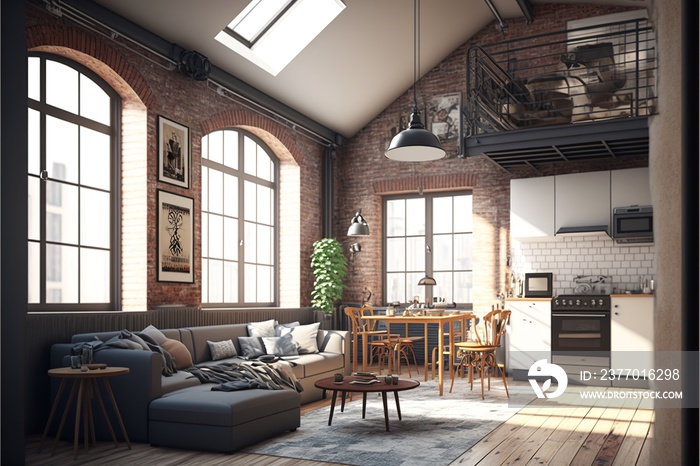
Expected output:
{"points": [[435, 430]]}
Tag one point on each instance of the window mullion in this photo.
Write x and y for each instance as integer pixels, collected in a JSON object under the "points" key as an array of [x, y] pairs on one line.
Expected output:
{"points": [[429, 245], [241, 219]]}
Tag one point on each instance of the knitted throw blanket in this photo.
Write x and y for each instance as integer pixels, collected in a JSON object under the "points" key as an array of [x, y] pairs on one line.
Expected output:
{"points": [[243, 375]]}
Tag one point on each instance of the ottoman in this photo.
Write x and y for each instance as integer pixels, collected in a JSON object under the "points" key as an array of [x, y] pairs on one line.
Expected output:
{"points": [[203, 419]]}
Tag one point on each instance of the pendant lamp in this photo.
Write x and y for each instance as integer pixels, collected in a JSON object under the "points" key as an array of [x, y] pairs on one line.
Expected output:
{"points": [[358, 225], [415, 144], [427, 281]]}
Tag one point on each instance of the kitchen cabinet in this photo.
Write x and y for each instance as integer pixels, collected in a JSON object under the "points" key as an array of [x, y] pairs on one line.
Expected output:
{"points": [[630, 187], [532, 207], [529, 336], [541, 206], [631, 338], [582, 199]]}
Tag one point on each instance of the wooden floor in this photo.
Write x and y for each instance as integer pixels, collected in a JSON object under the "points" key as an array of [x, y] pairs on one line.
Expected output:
{"points": [[610, 432]]}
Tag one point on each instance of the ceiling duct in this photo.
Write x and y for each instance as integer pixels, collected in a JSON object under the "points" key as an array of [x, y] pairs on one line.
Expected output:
{"points": [[195, 65]]}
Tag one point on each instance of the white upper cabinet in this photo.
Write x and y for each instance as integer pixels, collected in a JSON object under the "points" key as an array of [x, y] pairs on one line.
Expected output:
{"points": [[630, 187], [582, 199], [541, 206], [532, 207]]}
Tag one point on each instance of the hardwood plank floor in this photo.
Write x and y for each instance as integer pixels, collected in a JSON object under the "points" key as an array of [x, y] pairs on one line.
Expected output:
{"points": [[606, 433]]}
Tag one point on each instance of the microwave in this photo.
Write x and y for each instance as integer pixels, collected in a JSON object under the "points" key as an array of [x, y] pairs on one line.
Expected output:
{"points": [[633, 224], [539, 285]]}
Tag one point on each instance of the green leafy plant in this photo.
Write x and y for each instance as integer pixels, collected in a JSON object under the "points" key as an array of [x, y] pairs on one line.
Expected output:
{"points": [[329, 266]]}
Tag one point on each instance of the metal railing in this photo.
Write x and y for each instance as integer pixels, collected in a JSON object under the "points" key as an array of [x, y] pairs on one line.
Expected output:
{"points": [[585, 74]]}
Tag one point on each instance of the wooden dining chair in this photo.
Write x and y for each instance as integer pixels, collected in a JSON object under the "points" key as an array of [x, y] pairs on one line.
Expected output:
{"points": [[363, 330], [479, 353], [447, 351]]}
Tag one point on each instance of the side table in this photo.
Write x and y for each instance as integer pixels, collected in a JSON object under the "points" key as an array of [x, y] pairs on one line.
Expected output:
{"points": [[85, 383]]}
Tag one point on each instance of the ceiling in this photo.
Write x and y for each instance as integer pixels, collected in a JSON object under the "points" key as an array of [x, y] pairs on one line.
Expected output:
{"points": [[354, 69]]}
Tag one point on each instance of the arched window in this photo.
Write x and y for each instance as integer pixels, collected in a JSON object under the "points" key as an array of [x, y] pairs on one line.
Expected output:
{"points": [[73, 189], [239, 221]]}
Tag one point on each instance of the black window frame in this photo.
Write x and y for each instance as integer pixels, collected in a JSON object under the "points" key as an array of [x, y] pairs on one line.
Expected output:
{"points": [[114, 131], [429, 235], [242, 177]]}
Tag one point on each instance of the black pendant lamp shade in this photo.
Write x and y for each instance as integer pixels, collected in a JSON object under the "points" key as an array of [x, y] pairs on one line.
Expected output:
{"points": [[358, 226], [415, 144]]}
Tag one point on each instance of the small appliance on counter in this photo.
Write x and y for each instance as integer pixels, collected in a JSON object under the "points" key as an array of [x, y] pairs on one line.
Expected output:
{"points": [[539, 285]]}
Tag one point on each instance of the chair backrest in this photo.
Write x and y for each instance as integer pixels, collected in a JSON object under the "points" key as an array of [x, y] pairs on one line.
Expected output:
{"points": [[355, 314], [495, 323]]}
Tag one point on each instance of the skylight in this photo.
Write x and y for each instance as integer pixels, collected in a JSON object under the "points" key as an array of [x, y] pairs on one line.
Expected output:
{"points": [[271, 33]]}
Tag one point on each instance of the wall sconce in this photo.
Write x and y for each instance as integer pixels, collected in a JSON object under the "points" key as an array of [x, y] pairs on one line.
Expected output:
{"points": [[358, 225], [355, 248]]}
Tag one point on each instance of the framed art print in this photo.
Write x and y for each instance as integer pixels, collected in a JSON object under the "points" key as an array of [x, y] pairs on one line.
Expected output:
{"points": [[175, 238], [173, 153], [444, 120]]}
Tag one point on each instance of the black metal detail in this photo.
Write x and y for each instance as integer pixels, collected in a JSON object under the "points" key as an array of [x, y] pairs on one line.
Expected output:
{"points": [[195, 65]]}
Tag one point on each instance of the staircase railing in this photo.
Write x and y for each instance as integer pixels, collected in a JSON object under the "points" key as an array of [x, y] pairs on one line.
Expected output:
{"points": [[584, 74]]}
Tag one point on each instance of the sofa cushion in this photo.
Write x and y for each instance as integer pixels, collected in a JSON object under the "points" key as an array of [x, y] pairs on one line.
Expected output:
{"points": [[179, 352], [281, 329], [156, 334], [177, 381], [308, 365], [202, 405], [200, 335], [305, 337], [280, 346], [251, 347], [262, 329], [221, 349]]}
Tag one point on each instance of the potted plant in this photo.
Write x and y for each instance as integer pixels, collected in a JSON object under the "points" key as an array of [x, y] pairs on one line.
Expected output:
{"points": [[329, 266]]}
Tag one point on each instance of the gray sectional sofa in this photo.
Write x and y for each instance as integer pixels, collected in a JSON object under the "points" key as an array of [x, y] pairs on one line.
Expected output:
{"points": [[180, 411]]}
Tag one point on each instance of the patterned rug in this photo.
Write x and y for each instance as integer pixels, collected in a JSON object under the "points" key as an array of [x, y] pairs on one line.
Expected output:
{"points": [[434, 431]]}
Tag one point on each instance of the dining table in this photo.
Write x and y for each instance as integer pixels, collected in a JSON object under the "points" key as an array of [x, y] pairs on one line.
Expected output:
{"points": [[440, 320]]}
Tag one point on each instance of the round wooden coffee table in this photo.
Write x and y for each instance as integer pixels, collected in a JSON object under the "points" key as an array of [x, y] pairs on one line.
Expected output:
{"points": [[377, 387]]}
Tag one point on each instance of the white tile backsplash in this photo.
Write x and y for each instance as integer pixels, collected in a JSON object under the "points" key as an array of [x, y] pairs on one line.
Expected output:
{"points": [[585, 255]]}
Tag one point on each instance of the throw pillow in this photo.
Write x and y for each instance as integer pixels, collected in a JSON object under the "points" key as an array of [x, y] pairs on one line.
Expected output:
{"points": [[182, 359], [283, 329], [156, 334], [262, 329], [280, 346], [251, 347], [305, 337], [221, 349]]}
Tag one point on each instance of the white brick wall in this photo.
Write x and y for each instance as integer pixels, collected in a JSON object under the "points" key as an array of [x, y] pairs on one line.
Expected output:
{"points": [[585, 255]]}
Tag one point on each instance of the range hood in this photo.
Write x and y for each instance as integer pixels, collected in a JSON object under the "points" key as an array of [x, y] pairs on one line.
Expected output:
{"points": [[583, 230]]}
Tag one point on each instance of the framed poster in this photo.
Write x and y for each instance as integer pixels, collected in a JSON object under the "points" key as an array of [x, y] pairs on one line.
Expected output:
{"points": [[444, 120], [175, 238], [173, 153]]}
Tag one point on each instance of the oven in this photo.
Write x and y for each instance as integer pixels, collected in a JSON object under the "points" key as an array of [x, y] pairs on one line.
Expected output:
{"points": [[581, 335]]}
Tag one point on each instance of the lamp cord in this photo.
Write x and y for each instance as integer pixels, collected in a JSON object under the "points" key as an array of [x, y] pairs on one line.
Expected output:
{"points": [[416, 48]]}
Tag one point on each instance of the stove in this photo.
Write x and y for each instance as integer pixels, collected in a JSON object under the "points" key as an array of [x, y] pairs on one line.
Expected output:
{"points": [[577, 302], [581, 335]]}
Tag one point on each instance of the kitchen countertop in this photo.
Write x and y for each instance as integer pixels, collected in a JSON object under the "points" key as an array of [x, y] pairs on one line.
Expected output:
{"points": [[528, 299], [631, 295]]}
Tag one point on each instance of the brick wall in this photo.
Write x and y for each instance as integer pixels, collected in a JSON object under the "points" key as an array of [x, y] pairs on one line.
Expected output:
{"points": [[364, 175], [149, 86]]}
